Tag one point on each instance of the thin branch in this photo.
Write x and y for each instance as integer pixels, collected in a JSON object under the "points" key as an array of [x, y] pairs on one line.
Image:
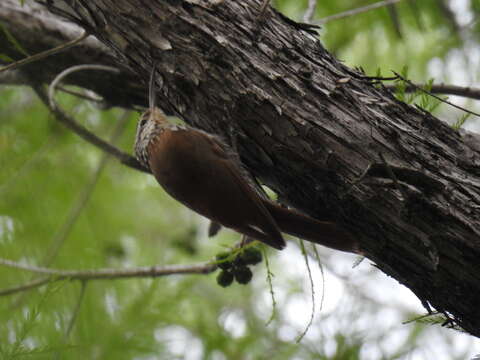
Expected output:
{"points": [[468, 92], [104, 274], [308, 16], [45, 54], [96, 99], [109, 273], [25, 287], [270, 276], [86, 135], [356, 11], [73, 319], [436, 97], [312, 287], [70, 70], [320, 266], [76, 310]]}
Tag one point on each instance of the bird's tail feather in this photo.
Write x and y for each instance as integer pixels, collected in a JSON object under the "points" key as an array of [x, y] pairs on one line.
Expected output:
{"points": [[305, 227]]}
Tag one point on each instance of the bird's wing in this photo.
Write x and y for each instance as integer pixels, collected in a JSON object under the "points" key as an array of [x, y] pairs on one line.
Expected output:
{"points": [[268, 224]]}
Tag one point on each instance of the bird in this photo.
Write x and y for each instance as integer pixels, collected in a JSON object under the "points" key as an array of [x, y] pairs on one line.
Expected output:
{"points": [[203, 173]]}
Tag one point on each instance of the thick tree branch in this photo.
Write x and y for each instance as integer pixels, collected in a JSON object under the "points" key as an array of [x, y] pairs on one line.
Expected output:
{"points": [[44, 54], [38, 30]]}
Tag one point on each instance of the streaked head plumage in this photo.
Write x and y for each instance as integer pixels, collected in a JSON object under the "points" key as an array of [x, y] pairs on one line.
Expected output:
{"points": [[150, 123]]}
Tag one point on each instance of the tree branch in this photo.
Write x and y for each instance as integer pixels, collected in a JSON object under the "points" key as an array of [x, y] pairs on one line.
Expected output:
{"points": [[25, 287], [44, 54], [411, 84], [356, 11], [308, 16], [37, 30], [86, 135], [101, 274], [463, 91]]}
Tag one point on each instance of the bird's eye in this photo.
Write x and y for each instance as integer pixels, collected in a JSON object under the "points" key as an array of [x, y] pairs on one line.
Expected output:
{"points": [[142, 122]]}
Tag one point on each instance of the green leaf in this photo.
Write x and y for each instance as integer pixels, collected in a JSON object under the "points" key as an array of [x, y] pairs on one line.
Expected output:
{"points": [[6, 58], [11, 39]]}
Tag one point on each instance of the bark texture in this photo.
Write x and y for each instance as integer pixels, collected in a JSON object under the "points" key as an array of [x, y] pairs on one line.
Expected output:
{"points": [[318, 133]]}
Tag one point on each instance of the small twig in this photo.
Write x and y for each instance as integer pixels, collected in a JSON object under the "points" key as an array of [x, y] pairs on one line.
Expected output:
{"points": [[73, 319], [109, 273], [312, 287], [421, 317], [24, 287], [319, 262], [270, 287], [435, 96], [308, 16], [76, 310], [45, 54], [78, 129], [464, 91], [70, 70], [80, 95], [356, 11]]}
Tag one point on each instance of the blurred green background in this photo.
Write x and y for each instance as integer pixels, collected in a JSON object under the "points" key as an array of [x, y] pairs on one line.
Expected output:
{"points": [[62, 201]]}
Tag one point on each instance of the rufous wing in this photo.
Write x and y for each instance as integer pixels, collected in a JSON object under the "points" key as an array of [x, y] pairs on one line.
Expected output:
{"points": [[197, 170]]}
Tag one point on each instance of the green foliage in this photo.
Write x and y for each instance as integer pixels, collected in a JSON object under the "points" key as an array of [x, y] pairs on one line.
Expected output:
{"points": [[435, 319], [5, 58], [457, 125], [420, 96], [11, 39], [250, 256]]}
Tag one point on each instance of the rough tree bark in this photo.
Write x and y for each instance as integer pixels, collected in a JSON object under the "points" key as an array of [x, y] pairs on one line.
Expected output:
{"points": [[321, 135]]}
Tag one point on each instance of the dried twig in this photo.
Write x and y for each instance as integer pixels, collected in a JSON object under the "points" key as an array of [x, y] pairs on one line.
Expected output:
{"points": [[24, 287], [44, 54], [434, 96], [102, 274], [463, 91], [78, 129], [310, 12], [73, 318], [356, 11], [70, 70]]}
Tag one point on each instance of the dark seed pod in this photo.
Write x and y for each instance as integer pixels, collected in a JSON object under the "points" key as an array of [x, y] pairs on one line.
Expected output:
{"points": [[222, 262], [251, 256], [224, 278], [239, 261], [243, 275]]}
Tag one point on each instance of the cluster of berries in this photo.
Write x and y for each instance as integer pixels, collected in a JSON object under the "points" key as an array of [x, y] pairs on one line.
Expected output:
{"points": [[237, 268]]}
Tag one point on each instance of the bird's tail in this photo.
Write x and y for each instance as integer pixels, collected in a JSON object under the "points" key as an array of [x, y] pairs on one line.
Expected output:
{"points": [[305, 227]]}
